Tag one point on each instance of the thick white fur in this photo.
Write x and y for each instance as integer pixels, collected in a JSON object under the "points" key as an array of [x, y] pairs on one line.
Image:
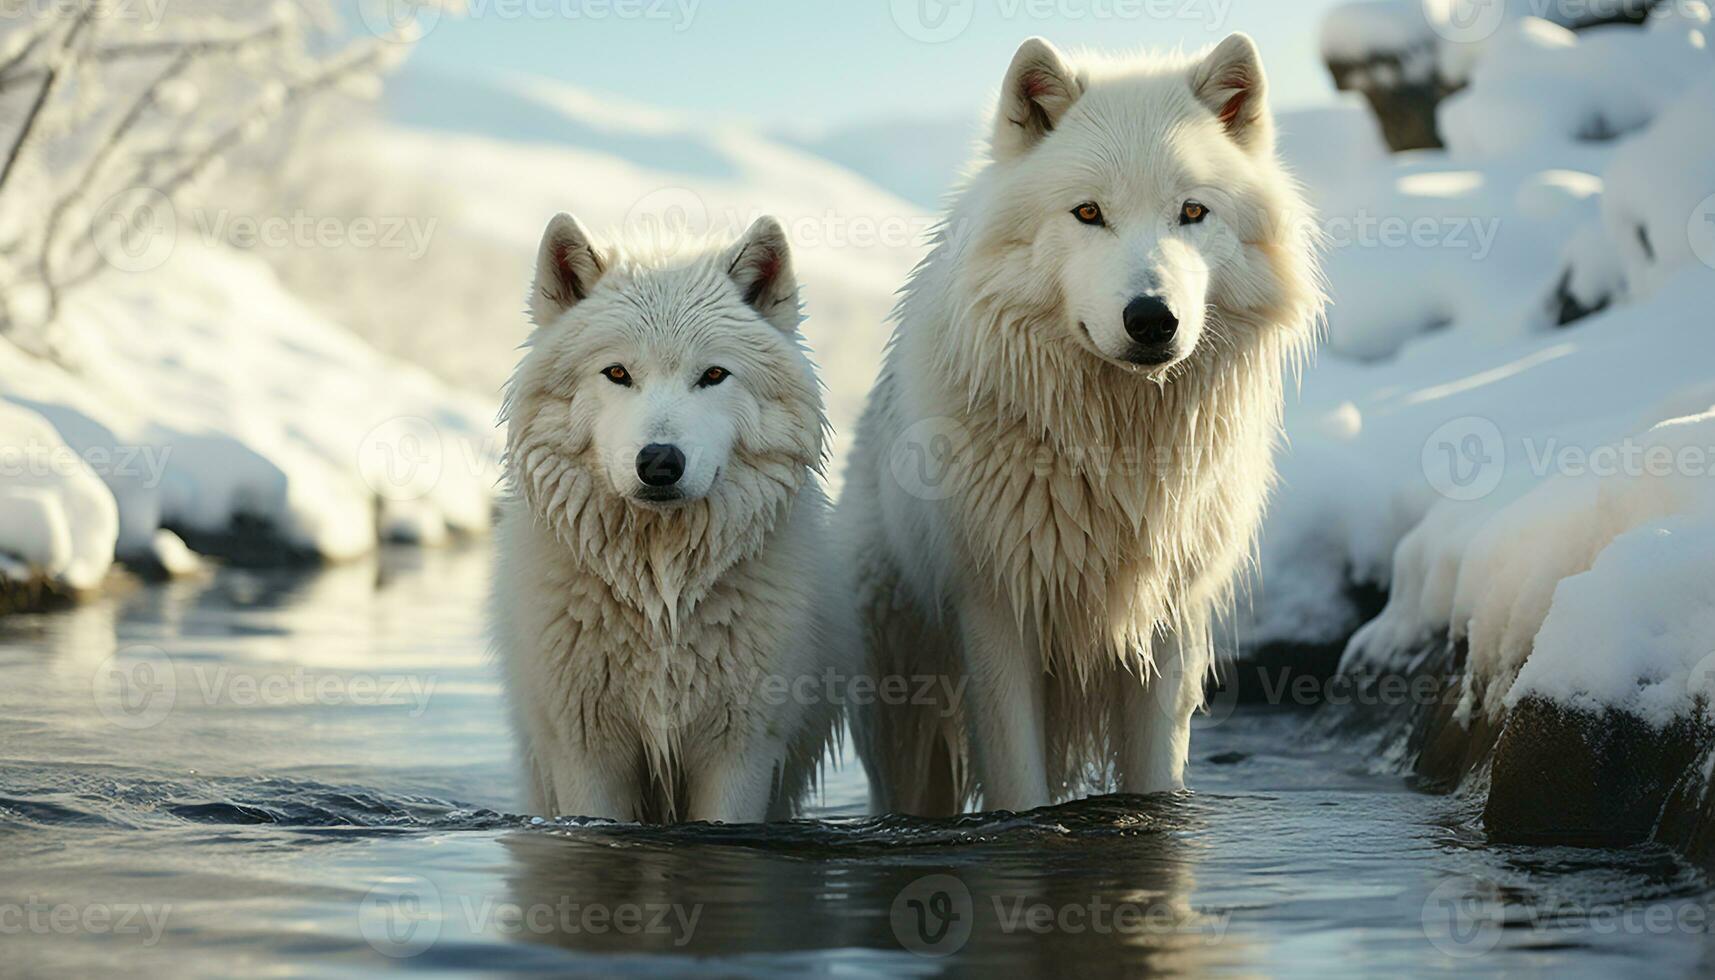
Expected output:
{"points": [[656, 655], [1094, 515]]}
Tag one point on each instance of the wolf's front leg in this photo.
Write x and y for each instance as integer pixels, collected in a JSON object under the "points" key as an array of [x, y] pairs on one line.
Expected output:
{"points": [[734, 783], [1152, 722], [1004, 708], [574, 782]]}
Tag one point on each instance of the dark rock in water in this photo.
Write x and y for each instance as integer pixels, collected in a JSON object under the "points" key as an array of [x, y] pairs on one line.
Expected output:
{"points": [[1295, 674], [248, 542], [1444, 748], [1562, 775], [1688, 817], [1227, 758], [36, 594], [1552, 774]]}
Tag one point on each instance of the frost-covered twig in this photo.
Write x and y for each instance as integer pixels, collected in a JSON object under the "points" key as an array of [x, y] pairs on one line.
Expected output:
{"points": [[251, 123], [50, 80], [128, 112]]}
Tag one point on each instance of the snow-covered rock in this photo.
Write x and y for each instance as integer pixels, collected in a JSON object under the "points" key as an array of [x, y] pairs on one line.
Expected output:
{"points": [[213, 403], [1406, 56], [1388, 51], [1541, 84], [58, 522], [1518, 447]]}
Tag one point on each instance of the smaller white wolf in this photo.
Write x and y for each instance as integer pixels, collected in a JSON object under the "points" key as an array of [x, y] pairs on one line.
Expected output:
{"points": [[657, 608]]}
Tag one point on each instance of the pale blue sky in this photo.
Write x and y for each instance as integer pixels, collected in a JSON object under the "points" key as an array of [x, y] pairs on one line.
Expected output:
{"points": [[817, 63]]}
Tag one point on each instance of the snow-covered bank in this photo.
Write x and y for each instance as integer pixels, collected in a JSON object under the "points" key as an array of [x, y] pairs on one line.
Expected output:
{"points": [[200, 397], [1511, 432], [58, 523], [271, 392]]}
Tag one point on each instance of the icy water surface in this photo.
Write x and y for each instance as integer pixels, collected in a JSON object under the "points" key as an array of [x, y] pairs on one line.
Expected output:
{"points": [[309, 774]]}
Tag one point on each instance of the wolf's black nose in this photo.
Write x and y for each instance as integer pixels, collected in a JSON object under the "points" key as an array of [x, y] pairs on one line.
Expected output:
{"points": [[1150, 322], [660, 466]]}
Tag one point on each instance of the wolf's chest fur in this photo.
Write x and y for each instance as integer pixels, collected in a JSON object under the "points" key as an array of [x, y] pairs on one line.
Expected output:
{"points": [[1122, 520], [640, 671]]}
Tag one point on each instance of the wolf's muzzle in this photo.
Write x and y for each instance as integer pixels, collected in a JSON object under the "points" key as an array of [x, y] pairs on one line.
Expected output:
{"points": [[660, 466], [1152, 326]]}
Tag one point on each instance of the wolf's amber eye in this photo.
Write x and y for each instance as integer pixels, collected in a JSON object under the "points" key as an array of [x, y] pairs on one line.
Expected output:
{"points": [[1090, 213], [1191, 213], [618, 375], [713, 376]]}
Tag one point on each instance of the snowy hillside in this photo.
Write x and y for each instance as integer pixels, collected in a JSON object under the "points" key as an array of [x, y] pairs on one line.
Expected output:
{"points": [[255, 424], [488, 163], [919, 160], [210, 402]]}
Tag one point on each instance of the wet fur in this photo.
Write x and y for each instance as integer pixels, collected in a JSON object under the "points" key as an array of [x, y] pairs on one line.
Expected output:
{"points": [[638, 643], [1061, 552]]}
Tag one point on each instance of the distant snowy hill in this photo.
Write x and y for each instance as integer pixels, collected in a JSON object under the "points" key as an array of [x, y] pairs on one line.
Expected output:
{"points": [[490, 161], [919, 160]]}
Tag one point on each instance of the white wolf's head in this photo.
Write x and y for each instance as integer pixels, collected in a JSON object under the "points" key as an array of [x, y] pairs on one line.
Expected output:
{"points": [[1141, 202], [656, 385]]}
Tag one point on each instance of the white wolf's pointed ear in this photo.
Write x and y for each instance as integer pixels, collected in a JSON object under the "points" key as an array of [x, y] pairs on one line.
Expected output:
{"points": [[1230, 82], [1039, 88], [567, 268], [760, 264]]}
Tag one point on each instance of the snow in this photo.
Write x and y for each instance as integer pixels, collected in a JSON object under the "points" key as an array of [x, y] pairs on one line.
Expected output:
{"points": [[1357, 32], [342, 395], [1540, 83], [1332, 146], [919, 160], [543, 147], [1657, 218], [1447, 41], [205, 394], [57, 519], [1545, 494], [1650, 599], [1497, 473], [173, 556]]}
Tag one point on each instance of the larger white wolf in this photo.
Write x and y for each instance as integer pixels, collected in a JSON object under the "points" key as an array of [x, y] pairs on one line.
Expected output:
{"points": [[1059, 477], [658, 607]]}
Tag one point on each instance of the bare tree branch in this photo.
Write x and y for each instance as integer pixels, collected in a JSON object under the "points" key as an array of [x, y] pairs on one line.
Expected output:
{"points": [[53, 74]]}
